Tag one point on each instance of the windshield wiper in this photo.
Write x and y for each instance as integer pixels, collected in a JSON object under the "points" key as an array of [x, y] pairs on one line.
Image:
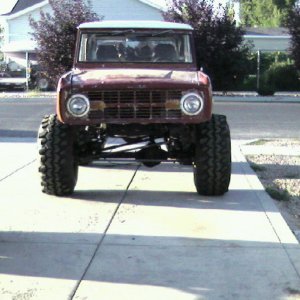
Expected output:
{"points": [[123, 32], [163, 32]]}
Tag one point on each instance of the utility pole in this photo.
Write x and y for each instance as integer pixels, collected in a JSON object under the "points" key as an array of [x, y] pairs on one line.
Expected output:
{"points": [[258, 70], [27, 71]]}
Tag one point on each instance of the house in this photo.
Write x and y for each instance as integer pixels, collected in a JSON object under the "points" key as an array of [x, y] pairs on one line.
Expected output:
{"points": [[18, 44], [268, 39]]}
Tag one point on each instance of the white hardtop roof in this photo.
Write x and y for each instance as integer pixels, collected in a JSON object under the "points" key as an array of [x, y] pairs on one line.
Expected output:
{"points": [[134, 25]]}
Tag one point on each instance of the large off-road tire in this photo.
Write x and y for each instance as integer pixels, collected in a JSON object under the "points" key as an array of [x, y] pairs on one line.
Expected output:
{"points": [[212, 161], [57, 160]]}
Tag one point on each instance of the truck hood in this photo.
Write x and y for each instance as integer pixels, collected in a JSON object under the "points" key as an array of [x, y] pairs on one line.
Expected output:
{"points": [[134, 79]]}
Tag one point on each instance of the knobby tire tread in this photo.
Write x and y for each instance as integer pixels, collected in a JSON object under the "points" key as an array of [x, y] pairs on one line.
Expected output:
{"points": [[57, 162], [212, 163]]}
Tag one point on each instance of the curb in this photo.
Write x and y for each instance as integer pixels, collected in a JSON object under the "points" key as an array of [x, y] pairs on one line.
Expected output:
{"points": [[258, 99], [284, 233], [270, 150], [26, 95]]}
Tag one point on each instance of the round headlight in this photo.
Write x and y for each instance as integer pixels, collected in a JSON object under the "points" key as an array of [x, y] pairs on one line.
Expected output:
{"points": [[191, 104], [78, 105]]}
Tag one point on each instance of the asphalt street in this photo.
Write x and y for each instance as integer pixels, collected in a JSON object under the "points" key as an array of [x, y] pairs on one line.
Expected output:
{"points": [[21, 117], [261, 120]]}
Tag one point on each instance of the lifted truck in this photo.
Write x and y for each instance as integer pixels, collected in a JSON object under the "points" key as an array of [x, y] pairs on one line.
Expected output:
{"points": [[136, 80]]}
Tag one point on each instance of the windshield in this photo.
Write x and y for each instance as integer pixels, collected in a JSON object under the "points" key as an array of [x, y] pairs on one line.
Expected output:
{"points": [[128, 46]]}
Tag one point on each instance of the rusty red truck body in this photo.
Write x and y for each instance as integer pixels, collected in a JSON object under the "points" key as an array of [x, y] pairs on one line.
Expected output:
{"points": [[139, 81]]}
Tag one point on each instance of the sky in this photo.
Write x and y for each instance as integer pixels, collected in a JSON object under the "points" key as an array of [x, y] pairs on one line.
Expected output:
{"points": [[7, 5]]}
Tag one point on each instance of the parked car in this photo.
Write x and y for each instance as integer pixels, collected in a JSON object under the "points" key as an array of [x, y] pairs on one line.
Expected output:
{"points": [[7, 82], [137, 81]]}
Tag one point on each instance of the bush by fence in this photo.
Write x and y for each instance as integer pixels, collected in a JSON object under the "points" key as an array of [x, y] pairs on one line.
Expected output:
{"points": [[283, 76], [276, 73]]}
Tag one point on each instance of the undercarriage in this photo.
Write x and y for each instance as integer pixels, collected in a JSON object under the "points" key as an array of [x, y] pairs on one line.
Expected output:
{"points": [[148, 144], [205, 146]]}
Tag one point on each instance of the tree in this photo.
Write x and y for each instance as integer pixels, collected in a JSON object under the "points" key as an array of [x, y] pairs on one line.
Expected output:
{"points": [[56, 35], [265, 13], [218, 42], [293, 24]]}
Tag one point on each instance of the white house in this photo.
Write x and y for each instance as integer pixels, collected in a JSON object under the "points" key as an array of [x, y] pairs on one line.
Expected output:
{"points": [[18, 42], [268, 39]]}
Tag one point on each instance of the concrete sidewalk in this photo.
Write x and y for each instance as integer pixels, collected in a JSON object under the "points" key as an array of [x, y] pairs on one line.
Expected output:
{"points": [[135, 233]]}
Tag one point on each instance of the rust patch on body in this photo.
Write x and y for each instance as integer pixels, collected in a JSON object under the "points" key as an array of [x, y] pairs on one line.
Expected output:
{"points": [[98, 105], [172, 104]]}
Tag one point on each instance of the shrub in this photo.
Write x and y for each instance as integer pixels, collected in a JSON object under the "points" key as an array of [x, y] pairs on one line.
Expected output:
{"points": [[266, 60], [277, 73], [283, 76], [265, 89], [248, 84], [280, 77]]}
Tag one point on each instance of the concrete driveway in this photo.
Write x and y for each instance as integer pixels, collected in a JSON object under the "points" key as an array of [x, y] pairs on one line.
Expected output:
{"points": [[135, 233]]}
